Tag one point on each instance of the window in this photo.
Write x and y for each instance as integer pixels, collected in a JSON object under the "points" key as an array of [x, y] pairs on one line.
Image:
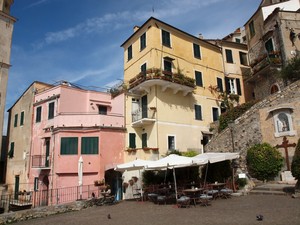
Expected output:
{"points": [[69, 146], [129, 53], [269, 45], [198, 78], [11, 150], [237, 40], [36, 184], [16, 120], [38, 115], [144, 140], [143, 41], [229, 58], [215, 113], [165, 36], [198, 112], [197, 53], [167, 65], [171, 143], [89, 145], [132, 143], [51, 110], [243, 58], [22, 119], [283, 123], [251, 28], [102, 109], [144, 68], [220, 84], [233, 86], [274, 88]]}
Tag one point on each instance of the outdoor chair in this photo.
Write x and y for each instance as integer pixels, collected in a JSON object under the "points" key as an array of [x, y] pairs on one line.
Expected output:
{"points": [[152, 197], [184, 202], [226, 192], [162, 199], [205, 199]]}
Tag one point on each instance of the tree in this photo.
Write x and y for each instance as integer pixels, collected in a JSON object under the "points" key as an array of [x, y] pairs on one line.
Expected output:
{"points": [[291, 71], [296, 165], [264, 161]]}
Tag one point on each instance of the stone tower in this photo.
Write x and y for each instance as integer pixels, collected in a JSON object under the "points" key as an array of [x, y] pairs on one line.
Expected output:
{"points": [[6, 30]]}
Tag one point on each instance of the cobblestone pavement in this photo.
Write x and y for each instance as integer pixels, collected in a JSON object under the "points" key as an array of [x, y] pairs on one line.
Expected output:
{"points": [[281, 210]]}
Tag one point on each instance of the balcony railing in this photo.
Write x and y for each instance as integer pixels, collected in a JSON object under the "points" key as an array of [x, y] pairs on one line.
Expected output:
{"points": [[40, 161], [157, 74], [272, 59]]}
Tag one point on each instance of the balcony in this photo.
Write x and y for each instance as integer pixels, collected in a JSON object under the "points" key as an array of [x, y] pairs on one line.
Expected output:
{"points": [[40, 161], [266, 62], [143, 117], [166, 79]]}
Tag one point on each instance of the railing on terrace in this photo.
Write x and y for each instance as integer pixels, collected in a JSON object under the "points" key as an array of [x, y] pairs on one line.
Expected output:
{"points": [[143, 114], [272, 59], [154, 73], [33, 199], [40, 161]]}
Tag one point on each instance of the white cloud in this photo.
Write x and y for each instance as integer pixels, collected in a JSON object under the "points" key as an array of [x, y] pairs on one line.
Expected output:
{"points": [[37, 3]]}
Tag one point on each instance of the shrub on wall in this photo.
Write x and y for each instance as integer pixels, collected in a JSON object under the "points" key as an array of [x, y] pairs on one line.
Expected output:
{"points": [[264, 161], [296, 164], [233, 114]]}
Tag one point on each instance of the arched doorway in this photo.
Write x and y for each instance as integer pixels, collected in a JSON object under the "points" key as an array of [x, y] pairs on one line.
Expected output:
{"points": [[114, 180]]}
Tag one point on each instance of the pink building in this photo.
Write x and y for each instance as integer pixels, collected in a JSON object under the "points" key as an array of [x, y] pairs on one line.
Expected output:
{"points": [[69, 123]]}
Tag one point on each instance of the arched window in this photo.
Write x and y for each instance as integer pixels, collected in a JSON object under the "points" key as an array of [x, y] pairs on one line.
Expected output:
{"points": [[274, 88]]}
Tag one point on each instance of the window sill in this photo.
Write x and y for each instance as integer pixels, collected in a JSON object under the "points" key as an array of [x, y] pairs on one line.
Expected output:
{"points": [[287, 133]]}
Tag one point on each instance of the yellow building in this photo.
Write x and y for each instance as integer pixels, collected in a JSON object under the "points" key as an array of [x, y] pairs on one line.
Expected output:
{"points": [[169, 104]]}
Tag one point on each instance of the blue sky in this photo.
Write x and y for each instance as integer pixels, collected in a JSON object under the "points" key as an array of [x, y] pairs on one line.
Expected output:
{"points": [[79, 41]]}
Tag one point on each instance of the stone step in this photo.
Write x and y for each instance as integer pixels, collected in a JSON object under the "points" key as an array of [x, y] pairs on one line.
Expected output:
{"points": [[273, 189], [264, 192]]}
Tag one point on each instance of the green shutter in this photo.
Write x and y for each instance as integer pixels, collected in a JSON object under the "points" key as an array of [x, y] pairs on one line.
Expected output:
{"points": [[229, 58], [69, 146], [238, 86], [22, 119], [38, 114], [12, 149], [51, 110], [89, 145], [198, 112], [16, 120], [144, 140], [196, 51], [220, 84], [132, 143], [198, 77]]}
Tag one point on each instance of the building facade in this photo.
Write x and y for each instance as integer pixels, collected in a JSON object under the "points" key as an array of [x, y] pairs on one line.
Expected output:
{"points": [[6, 27], [19, 137], [272, 41], [169, 104]]}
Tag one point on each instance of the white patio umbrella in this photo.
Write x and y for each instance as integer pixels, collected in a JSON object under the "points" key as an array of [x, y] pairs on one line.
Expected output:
{"points": [[80, 173]]}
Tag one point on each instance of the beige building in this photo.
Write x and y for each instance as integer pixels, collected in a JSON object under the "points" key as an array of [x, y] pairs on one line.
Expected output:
{"points": [[19, 138], [238, 36], [6, 30], [272, 40], [169, 104]]}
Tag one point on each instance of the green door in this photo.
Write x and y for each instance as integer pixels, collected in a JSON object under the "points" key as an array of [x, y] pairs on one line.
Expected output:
{"points": [[17, 186], [144, 106]]}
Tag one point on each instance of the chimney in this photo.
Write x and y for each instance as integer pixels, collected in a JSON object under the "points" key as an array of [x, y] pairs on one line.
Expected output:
{"points": [[135, 28], [200, 36]]}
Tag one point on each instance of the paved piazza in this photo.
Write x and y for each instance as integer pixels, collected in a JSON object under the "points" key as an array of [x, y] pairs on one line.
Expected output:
{"points": [[281, 210]]}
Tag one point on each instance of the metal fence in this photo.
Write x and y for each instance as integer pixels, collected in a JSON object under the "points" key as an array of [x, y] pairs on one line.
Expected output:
{"points": [[32, 199]]}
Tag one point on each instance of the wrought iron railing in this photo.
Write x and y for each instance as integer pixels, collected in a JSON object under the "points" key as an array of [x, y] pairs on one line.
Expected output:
{"points": [[40, 161]]}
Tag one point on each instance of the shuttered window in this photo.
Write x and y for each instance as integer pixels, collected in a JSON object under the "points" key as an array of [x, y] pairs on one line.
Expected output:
{"points": [[38, 115], [198, 112], [229, 58], [132, 143], [69, 146], [22, 119], [198, 78], [220, 84], [89, 145], [143, 41], [144, 140], [16, 120], [129, 53], [197, 53], [165, 36], [51, 110]]}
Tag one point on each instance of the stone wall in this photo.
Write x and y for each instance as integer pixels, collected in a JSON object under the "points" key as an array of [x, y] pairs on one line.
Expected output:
{"points": [[247, 129]]}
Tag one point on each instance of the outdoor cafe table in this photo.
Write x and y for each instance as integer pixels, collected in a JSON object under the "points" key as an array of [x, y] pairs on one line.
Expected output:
{"points": [[193, 193], [217, 186]]}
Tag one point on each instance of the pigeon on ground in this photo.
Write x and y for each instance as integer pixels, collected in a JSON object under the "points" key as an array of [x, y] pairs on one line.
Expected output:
{"points": [[108, 216], [259, 217]]}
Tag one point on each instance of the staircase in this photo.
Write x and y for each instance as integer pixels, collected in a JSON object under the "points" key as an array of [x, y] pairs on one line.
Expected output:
{"points": [[273, 189]]}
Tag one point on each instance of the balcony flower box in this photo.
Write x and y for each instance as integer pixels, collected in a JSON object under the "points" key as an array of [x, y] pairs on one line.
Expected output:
{"points": [[129, 150]]}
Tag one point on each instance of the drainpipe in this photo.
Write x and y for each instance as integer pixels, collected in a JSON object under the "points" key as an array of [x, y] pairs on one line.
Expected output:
{"points": [[157, 142]]}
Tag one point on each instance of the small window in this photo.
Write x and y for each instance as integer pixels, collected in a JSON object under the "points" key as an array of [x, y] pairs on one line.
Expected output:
{"points": [[11, 150], [129, 53], [69, 146], [237, 40], [36, 184], [144, 140], [274, 88], [22, 119], [165, 36], [269, 45], [167, 65], [132, 142], [198, 78], [51, 110], [171, 143], [220, 84], [229, 58], [90, 145], [102, 109], [198, 112], [144, 68], [215, 113], [197, 53], [243, 58], [38, 115], [143, 41], [252, 29], [16, 120], [233, 86]]}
